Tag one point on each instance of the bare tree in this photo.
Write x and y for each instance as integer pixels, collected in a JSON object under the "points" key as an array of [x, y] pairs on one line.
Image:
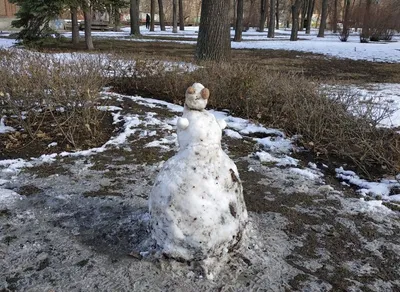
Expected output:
{"points": [[87, 14], [134, 13], [213, 42], [174, 17], [324, 14], [239, 21], [303, 14], [271, 20], [181, 17], [277, 14], [335, 17], [152, 12], [263, 15], [295, 20], [310, 10], [75, 26], [161, 14], [365, 34]]}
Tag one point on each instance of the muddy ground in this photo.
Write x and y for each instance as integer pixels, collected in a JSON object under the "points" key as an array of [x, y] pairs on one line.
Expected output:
{"points": [[80, 223]]}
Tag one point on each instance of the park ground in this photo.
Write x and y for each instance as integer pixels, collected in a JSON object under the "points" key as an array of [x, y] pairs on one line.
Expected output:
{"points": [[78, 221]]}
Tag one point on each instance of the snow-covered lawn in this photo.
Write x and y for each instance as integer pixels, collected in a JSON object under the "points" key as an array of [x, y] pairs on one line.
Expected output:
{"points": [[330, 45]]}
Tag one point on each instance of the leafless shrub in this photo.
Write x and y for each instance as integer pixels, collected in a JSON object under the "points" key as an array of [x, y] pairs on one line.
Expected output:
{"points": [[334, 127], [38, 88]]}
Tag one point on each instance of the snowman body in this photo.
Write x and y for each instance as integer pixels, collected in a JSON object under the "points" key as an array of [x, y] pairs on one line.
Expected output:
{"points": [[196, 204]]}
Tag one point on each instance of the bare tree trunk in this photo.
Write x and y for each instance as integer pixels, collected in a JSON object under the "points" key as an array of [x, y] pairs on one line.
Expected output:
{"points": [[87, 14], [271, 21], [75, 26], [181, 17], [239, 21], [324, 13], [346, 16], [263, 15], [117, 18], [134, 13], [152, 12], [213, 42], [277, 14], [235, 14], [335, 17], [365, 34], [295, 20], [303, 15], [161, 14], [310, 11], [174, 17]]}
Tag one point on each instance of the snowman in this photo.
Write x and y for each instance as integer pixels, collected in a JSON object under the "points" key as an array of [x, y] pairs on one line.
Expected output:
{"points": [[196, 204]]}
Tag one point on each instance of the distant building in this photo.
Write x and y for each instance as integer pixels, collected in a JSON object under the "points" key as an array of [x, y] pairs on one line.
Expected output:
{"points": [[7, 10]]}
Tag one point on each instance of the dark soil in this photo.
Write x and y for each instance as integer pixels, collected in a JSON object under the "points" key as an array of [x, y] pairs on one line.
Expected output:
{"points": [[315, 66], [21, 145]]}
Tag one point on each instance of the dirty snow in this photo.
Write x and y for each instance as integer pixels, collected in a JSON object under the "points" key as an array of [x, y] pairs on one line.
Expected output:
{"points": [[75, 225]]}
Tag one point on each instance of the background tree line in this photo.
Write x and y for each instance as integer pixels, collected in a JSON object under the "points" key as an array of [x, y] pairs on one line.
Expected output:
{"points": [[217, 17]]}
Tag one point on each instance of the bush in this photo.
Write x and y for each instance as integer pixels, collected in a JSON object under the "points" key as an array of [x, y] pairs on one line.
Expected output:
{"points": [[286, 101], [37, 89]]}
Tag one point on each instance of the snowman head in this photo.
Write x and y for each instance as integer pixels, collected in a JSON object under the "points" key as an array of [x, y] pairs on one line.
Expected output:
{"points": [[196, 97]]}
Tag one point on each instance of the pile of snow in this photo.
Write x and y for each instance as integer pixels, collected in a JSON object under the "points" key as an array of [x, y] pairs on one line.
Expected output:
{"points": [[374, 189], [196, 204], [4, 128]]}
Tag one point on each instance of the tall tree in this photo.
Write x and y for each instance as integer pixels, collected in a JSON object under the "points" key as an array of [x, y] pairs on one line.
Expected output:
{"points": [[303, 14], [277, 14], [134, 13], [365, 33], [263, 15], [152, 13], [213, 42], [310, 11], [161, 14], [75, 25], [239, 21], [345, 31], [174, 17], [87, 15], [271, 20], [181, 16], [324, 14], [295, 20], [335, 18]]}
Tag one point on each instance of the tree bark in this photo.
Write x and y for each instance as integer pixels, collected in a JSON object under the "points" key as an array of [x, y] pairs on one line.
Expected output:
{"points": [[346, 15], [263, 15], [161, 14], [75, 26], [134, 13], [174, 17], [310, 11], [239, 21], [335, 17], [213, 42], [324, 13], [303, 15], [152, 12], [87, 14], [365, 34], [271, 21], [181, 17], [295, 20], [277, 14]]}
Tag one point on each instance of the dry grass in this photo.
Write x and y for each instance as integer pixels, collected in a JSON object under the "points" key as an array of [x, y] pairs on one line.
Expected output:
{"points": [[37, 89], [284, 100]]}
